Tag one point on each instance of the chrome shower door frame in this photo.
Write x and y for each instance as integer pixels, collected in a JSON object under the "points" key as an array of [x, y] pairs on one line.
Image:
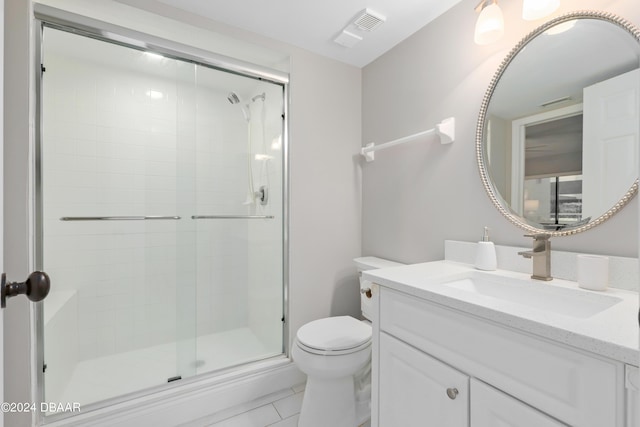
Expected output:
{"points": [[46, 16]]}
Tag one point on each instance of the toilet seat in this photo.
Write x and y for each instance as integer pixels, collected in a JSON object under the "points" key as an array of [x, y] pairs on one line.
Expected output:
{"points": [[324, 352], [334, 336]]}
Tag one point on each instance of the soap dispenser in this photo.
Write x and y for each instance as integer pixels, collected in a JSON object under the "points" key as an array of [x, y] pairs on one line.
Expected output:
{"points": [[486, 253]]}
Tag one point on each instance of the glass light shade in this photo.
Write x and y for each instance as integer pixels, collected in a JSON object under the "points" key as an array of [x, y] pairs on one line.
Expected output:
{"points": [[490, 25], [537, 9]]}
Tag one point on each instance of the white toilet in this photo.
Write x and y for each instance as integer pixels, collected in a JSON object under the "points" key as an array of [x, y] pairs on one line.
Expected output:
{"points": [[335, 353]]}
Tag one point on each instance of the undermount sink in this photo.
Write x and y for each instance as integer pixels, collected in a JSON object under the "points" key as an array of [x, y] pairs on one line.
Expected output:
{"points": [[540, 296]]}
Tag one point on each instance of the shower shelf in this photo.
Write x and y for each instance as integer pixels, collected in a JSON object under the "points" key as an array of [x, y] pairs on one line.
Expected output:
{"points": [[116, 218], [446, 130], [232, 217]]}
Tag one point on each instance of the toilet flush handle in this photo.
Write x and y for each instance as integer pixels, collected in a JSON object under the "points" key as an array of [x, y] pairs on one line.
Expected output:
{"points": [[366, 291]]}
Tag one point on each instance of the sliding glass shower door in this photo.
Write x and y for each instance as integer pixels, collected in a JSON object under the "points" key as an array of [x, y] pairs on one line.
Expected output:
{"points": [[159, 216]]}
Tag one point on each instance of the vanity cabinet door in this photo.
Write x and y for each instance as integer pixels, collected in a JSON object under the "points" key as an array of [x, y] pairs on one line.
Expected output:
{"points": [[491, 408], [418, 390]]}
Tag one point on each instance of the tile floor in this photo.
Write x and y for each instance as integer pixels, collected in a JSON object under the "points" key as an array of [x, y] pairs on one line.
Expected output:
{"points": [[280, 409]]}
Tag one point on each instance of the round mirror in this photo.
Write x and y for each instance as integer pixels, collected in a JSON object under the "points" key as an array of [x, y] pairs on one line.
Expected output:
{"points": [[558, 132]]}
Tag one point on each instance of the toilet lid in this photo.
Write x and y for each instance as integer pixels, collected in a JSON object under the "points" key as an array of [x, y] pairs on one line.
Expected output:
{"points": [[334, 333]]}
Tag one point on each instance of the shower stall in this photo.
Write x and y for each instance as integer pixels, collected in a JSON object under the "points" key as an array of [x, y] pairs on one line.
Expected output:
{"points": [[160, 216]]}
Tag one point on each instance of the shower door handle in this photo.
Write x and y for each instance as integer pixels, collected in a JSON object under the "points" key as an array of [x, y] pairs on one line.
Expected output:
{"points": [[36, 287]]}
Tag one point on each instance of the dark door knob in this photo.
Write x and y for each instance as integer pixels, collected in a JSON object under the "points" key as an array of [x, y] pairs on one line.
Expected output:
{"points": [[36, 287]]}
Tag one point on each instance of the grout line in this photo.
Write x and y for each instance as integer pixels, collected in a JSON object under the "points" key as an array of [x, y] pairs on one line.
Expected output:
{"points": [[244, 412], [240, 409], [278, 412], [288, 418]]}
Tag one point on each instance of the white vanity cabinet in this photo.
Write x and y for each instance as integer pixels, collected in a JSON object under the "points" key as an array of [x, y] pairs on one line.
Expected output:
{"points": [[414, 386], [503, 376]]}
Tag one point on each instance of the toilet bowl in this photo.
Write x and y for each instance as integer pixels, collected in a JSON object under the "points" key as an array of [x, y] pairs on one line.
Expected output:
{"points": [[330, 366], [335, 354]]}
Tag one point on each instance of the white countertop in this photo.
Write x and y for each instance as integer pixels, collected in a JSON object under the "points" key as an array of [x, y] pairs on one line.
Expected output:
{"points": [[611, 333]]}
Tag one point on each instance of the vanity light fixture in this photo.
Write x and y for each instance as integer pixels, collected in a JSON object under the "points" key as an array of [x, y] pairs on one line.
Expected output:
{"points": [[490, 23]]}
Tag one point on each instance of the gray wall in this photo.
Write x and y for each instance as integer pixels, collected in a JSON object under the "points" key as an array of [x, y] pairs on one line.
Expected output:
{"points": [[417, 195]]}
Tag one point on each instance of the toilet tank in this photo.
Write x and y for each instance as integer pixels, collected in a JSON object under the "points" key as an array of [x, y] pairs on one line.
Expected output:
{"points": [[370, 263]]}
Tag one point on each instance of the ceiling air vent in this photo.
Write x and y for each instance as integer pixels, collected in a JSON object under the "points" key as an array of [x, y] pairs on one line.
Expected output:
{"points": [[368, 20]]}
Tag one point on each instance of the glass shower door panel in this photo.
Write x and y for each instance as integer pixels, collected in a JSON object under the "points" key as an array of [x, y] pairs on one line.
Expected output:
{"points": [[160, 204], [113, 214], [239, 205], [184, 291]]}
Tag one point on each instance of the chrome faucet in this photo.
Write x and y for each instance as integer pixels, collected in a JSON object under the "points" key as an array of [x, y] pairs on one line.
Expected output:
{"points": [[540, 255]]}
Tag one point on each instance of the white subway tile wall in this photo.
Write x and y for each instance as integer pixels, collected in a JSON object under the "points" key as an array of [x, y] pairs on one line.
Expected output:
{"points": [[136, 137]]}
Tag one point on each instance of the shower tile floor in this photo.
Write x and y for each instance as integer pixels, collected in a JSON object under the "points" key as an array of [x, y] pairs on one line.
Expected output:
{"points": [[118, 374]]}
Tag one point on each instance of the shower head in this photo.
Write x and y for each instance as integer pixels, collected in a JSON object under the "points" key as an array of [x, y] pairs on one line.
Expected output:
{"points": [[233, 98]]}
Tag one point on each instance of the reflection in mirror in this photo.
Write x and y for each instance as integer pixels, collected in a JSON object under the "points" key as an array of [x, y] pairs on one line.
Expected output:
{"points": [[558, 133]]}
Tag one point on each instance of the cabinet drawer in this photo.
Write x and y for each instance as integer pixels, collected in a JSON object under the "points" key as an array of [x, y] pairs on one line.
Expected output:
{"points": [[569, 385]]}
